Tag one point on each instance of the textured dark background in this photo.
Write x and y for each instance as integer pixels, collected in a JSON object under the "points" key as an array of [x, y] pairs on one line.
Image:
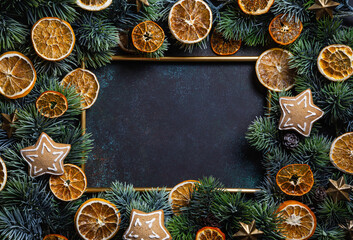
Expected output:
{"points": [[157, 124]]}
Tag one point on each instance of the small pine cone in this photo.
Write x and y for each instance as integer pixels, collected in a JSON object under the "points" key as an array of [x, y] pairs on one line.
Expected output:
{"points": [[210, 221], [320, 194], [290, 140]]}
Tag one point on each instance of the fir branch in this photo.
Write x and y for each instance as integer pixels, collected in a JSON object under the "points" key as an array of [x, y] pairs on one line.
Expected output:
{"points": [[93, 59], [310, 80], [158, 199], [200, 205], [182, 228], [25, 193], [15, 164], [19, 224], [262, 134], [266, 219], [122, 194], [31, 124], [305, 53], [230, 209], [276, 159], [123, 14], [51, 68], [95, 33], [270, 193], [344, 36], [5, 142], [292, 8], [153, 12], [273, 111], [325, 232], [327, 29], [336, 101], [333, 213], [12, 33], [81, 144]]}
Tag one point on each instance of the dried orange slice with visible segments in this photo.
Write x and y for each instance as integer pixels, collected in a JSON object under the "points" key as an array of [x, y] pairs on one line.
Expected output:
{"points": [[69, 186], [341, 153], [180, 195], [335, 62], [272, 70], [3, 174], [17, 75], [96, 219], [221, 46], [53, 38], [52, 104], [190, 21], [255, 7], [285, 30], [147, 36], [295, 179], [299, 222], [94, 5], [54, 237], [210, 233], [86, 85]]}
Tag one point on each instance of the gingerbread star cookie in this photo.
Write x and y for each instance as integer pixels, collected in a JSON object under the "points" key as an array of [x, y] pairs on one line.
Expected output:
{"points": [[299, 113], [46, 156], [144, 226]]}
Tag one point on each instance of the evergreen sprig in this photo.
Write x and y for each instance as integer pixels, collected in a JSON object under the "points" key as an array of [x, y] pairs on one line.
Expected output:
{"points": [[292, 8], [12, 33]]}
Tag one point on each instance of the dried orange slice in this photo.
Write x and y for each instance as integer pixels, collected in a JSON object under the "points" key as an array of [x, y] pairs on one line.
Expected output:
{"points": [[299, 221], [86, 85], [3, 174], [285, 30], [53, 38], [272, 70], [295, 179], [180, 195], [17, 75], [210, 233], [52, 104], [97, 219], [69, 186], [54, 237], [221, 46], [190, 21], [341, 153], [93, 5], [255, 7], [335, 62], [147, 36]]}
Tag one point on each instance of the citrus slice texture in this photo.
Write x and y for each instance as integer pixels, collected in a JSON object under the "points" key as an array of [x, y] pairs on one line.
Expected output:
{"points": [[53, 38], [54, 237], [180, 195], [285, 30], [86, 85], [190, 21], [69, 186], [52, 104], [255, 7], [97, 219], [295, 179], [341, 153], [93, 5], [147, 36], [335, 62], [299, 221], [223, 47], [210, 233], [17, 75], [3, 174], [272, 70]]}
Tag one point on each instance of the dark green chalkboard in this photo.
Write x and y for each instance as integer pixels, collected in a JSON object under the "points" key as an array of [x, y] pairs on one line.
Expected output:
{"points": [[157, 124]]}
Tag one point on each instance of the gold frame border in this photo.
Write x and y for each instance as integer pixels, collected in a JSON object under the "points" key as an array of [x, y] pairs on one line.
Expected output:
{"points": [[173, 59]]}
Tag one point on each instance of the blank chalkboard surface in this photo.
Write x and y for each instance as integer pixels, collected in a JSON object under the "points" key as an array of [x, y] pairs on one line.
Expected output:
{"points": [[157, 124]]}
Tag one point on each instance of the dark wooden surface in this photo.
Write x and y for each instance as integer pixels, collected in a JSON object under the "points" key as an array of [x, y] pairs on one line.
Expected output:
{"points": [[157, 124]]}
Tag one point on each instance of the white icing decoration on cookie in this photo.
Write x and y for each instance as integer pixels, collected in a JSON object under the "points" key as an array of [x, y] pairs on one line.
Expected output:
{"points": [[149, 223]]}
